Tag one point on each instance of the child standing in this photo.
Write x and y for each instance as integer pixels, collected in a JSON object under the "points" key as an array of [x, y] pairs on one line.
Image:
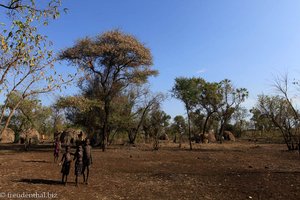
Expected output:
{"points": [[65, 170], [87, 160], [57, 146], [78, 157]]}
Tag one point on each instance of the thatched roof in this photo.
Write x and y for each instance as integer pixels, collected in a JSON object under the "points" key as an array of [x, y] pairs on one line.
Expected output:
{"points": [[71, 135], [8, 136], [32, 134], [228, 136]]}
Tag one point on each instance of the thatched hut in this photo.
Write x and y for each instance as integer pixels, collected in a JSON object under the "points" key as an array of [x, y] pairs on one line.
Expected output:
{"points": [[30, 134], [71, 135], [211, 137], [8, 136], [208, 138], [164, 136], [228, 136]]}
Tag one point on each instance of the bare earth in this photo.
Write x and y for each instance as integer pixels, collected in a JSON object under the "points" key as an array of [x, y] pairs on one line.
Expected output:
{"points": [[211, 171]]}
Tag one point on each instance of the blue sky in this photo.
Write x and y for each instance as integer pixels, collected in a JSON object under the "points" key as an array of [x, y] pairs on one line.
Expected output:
{"points": [[247, 42]]}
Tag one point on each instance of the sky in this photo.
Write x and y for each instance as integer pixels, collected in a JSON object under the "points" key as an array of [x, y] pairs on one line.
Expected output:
{"points": [[248, 42]]}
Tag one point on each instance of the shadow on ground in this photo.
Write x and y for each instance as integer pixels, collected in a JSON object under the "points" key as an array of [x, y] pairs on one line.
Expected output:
{"points": [[36, 161], [21, 147], [40, 181]]}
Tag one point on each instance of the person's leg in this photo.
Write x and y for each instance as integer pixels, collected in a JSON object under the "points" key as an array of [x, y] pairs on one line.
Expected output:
{"points": [[76, 180], [66, 179], [87, 174], [63, 178], [83, 173]]}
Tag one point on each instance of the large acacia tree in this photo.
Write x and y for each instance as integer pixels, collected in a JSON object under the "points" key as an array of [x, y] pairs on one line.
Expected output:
{"points": [[117, 60]]}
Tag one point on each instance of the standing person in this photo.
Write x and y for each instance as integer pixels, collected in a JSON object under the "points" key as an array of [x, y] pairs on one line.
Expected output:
{"points": [[66, 160], [57, 146], [87, 160], [78, 157]]}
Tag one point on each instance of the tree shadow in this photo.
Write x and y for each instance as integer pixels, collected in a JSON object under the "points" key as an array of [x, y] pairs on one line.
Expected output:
{"points": [[40, 181], [20, 147], [36, 161]]}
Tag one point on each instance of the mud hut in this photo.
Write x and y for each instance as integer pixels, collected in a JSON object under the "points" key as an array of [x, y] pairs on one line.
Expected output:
{"points": [[228, 136], [8, 136], [71, 135], [32, 134]]}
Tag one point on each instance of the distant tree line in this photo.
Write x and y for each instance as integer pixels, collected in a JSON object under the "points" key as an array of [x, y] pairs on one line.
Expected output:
{"points": [[115, 97]]}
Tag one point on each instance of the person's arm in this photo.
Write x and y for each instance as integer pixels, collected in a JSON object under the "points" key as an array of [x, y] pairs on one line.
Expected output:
{"points": [[62, 159]]}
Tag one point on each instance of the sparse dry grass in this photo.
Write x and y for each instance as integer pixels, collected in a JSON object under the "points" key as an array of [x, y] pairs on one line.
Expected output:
{"points": [[239, 170]]}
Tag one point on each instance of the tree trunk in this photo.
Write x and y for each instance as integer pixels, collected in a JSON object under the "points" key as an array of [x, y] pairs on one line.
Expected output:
{"points": [[189, 128], [141, 121], [180, 140], [3, 111], [206, 121], [131, 136], [105, 127], [221, 132], [156, 139], [9, 117]]}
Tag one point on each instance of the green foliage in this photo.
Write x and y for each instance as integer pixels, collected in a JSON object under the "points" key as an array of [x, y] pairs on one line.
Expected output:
{"points": [[186, 90], [29, 114], [155, 124], [207, 101], [79, 102], [178, 128], [282, 114], [261, 122], [231, 100]]}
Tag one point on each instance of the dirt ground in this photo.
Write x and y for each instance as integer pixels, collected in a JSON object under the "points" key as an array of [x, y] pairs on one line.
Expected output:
{"points": [[240, 170]]}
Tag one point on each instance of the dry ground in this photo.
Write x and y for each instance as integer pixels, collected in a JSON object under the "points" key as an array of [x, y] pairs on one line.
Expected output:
{"points": [[212, 171]]}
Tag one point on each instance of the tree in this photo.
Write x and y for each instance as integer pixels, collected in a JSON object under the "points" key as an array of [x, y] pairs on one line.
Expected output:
{"points": [[29, 114], [26, 61], [117, 60], [21, 44], [179, 125], [155, 124], [261, 122], [209, 100], [139, 112], [240, 123], [280, 109], [186, 90], [81, 111], [57, 119], [231, 101]]}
